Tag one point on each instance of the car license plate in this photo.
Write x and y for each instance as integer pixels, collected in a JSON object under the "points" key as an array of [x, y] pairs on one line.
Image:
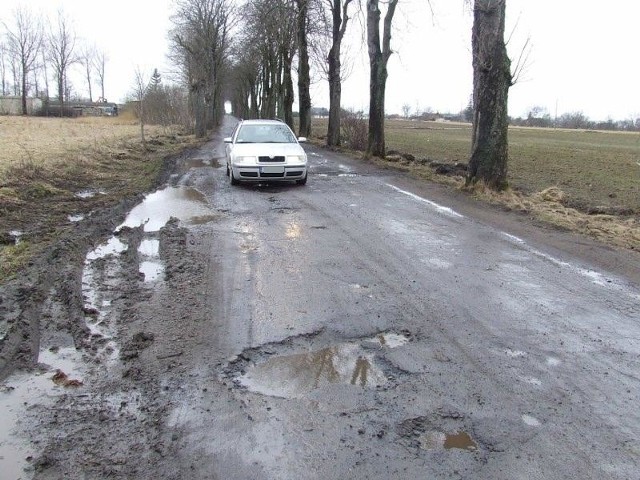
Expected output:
{"points": [[271, 169]]}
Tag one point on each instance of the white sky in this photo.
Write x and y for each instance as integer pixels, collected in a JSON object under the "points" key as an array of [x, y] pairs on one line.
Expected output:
{"points": [[584, 54]]}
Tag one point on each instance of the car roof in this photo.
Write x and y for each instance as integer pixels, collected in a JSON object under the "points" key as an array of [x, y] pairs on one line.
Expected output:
{"points": [[262, 121]]}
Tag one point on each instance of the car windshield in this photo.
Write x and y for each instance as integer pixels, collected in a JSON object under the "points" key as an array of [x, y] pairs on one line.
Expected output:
{"points": [[265, 133]]}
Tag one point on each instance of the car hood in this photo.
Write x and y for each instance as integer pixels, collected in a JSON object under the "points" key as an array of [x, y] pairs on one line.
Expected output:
{"points": [[267, 149]]}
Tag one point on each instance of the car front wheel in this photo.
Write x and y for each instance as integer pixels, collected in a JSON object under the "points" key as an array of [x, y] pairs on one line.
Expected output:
{"points": [[233, 179], [302, 181]]}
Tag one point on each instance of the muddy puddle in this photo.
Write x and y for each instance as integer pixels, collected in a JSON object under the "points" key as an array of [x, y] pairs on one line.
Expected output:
{"points": [[436, 440], [19, 392], [154, 212], [295, 375]]}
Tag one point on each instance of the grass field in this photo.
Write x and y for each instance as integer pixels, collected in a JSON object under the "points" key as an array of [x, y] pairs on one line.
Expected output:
{"points": [[592, 168], [586, 181]]}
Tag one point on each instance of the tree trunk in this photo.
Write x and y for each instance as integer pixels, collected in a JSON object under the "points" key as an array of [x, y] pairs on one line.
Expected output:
{"points": [[24, 90], [335, 92], [378, 58], [491, 82], [304, 78], [199, 110], [288, 97], [339, 27]]}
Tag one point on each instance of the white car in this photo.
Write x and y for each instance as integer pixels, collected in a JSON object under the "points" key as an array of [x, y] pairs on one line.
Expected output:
{"points": [[265, 151]]}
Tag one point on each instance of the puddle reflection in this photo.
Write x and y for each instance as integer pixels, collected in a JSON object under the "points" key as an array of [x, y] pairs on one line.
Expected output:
{"points": [[295, 375]]}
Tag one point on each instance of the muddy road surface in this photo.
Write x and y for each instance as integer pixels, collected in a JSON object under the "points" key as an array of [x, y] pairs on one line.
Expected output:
{"points": [[363, 326]]}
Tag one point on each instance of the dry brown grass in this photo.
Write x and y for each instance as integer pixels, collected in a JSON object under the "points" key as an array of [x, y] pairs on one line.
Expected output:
{"points": [[44, 142]]}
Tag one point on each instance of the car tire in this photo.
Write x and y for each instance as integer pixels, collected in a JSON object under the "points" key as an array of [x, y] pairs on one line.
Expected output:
{"points": [[302, 181], [232, 178]]}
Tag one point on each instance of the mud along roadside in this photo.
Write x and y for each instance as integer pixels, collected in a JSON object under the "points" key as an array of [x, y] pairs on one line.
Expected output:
{"points": [[81, 402], [58, 232]]}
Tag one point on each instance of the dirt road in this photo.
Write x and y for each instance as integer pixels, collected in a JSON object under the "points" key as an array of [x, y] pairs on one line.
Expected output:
{"points": [[363, 326]]}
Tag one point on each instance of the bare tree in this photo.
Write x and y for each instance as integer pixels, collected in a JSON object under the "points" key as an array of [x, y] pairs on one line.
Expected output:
{"points": [[99, 65], [140, 87], [3, 68], [62, 43], [378, 57], [340, 18], [24, 42], [87, 58], [406, 110], [491, 81]]}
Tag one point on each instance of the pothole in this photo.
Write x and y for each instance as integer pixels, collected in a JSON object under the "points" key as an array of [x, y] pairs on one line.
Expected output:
{"points": [[295, 375], [440, 431]]}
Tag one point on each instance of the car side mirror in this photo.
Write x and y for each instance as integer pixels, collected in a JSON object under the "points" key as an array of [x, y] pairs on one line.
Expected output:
{"points": [[227, 140], [302, 139]]}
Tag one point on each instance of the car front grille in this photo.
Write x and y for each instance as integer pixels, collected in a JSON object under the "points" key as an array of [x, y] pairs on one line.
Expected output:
{"points": [[277, 158], [272, 175]]}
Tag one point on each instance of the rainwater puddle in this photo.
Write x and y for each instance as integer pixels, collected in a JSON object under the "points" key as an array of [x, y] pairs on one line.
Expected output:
{"points": [[21, 391], [294, 376], [113, 246], [391, 340], [151, 270], [435, 440], [149, 247], [84, 194], [157, 208]]}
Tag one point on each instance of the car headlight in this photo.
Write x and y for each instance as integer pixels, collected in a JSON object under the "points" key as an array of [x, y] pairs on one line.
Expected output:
{"points": [[245, 161], [297, 159]]}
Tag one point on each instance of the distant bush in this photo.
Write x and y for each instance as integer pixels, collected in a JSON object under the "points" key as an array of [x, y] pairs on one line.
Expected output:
{"points": [[354, 130]]}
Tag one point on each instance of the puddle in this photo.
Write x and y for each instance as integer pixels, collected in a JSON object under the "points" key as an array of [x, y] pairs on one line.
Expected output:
{"points": [[293, 376], [18, 393], [149, 247], [391, 340], [151, 270], [435, 440], [113, 246], [157, 208], [98, 293], [84, 194], [75, 218]]}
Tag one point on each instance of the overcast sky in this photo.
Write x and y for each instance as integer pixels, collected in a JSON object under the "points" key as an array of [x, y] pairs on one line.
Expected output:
{"points": [[584, 54]]}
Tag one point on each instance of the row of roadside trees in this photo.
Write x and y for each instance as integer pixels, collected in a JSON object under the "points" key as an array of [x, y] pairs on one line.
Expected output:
{"points": [[250, 53], [257, 65]]}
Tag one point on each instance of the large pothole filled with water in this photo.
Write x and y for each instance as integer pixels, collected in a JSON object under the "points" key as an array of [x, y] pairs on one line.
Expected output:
{"points": [[296, 374]]}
